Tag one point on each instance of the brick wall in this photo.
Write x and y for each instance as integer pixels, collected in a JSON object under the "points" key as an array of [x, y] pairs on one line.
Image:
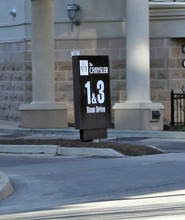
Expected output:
{"points": [[15, 84], [167, 72], [15, 71]]}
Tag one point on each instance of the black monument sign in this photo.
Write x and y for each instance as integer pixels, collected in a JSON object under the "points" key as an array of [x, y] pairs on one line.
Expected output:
{"points": [[92, 96]]}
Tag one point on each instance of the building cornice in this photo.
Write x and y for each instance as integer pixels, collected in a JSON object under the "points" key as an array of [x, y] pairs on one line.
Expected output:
{"points": [[167, 10], [167, 19]]}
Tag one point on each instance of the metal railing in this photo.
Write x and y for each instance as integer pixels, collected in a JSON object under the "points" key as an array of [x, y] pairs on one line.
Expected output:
{"points": [[177, 109]]}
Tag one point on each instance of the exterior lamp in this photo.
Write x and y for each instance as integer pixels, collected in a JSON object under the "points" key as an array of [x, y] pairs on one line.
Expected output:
{"points": [[13, 12], [183, 88], [183, 48], [72, 8], [183, 63]]}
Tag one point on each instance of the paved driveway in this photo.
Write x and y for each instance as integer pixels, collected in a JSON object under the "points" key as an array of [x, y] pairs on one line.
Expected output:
{"points": [[50, 187]]}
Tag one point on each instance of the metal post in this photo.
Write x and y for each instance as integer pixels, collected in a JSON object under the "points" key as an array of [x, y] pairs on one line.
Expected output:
{"points": [[172, 107]]}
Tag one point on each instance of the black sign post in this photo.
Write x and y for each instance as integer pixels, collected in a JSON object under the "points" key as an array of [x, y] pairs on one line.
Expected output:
{"points": [[92, 104]]}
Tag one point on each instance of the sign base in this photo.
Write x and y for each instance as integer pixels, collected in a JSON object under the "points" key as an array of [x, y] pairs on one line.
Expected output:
{"points": [[90, 134]]}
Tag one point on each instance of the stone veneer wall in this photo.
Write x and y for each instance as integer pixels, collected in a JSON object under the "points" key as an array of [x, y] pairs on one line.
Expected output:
{"points": [[15, 71], [15, 79], [167, 72]]}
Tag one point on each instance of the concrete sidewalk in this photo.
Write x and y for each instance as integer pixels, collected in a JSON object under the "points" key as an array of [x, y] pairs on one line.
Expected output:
{"points": [[9, 127]]}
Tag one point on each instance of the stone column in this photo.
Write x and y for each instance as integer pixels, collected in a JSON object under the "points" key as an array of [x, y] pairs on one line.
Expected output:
{"points": [[43, 51], [137, 51], [136, 112], [43, 112]]}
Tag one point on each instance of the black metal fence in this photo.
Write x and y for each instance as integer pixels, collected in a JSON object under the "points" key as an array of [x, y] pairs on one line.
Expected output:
{"points": [[177, 109]]}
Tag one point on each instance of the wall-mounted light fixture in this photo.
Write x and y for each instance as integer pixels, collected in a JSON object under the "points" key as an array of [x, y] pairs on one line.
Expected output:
{"points": [[183, 48], [183, 88], [183, 63], [13, 12], [72, 8]]}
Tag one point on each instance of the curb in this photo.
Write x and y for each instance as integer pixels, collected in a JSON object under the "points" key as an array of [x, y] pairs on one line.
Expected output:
{"points": [[88, 152], [147, 134], [29, 149], [6, 188], [58, 150]]}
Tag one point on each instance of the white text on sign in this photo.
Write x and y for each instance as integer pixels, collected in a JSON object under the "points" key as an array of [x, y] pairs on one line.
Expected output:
{"points": [[97, 109]]}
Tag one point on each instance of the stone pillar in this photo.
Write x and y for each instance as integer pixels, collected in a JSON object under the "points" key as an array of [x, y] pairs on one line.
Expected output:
{"points": [[136, 112], [43, 51], [137, 51], [43, 112]]}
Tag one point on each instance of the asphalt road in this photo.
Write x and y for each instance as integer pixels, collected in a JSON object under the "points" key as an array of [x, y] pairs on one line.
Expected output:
{"points": [[51, 187]]}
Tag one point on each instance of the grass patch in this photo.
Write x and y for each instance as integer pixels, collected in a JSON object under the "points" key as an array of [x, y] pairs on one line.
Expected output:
{"points": [[174, 128]]}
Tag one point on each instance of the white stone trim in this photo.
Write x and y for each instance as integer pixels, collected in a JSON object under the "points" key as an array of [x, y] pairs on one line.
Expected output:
{"points": [[135, 105]]}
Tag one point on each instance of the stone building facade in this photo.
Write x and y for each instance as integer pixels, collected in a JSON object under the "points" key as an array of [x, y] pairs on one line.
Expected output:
{"points": [[109, 39]]}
